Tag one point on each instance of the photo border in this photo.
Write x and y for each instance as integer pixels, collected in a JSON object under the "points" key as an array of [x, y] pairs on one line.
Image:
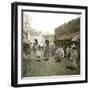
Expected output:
{"points": [[14, 43]]}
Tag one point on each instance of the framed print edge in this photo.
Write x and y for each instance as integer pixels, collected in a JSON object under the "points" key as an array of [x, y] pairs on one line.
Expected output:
{"points": [[14, 43], [86, 13]]}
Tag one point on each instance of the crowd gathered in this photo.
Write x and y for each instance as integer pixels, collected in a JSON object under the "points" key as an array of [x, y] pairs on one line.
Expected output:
{"points": [[58, 52]]}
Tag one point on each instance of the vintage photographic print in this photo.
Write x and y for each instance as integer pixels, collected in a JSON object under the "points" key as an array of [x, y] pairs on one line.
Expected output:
{"points": [[49, 44]]}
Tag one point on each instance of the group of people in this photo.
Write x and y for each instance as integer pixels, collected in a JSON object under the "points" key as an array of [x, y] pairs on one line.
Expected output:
{"points": [[58, 52]]}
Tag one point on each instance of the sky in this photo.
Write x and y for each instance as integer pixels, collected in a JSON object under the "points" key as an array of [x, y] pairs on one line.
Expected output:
{"points": [[47, 22]]}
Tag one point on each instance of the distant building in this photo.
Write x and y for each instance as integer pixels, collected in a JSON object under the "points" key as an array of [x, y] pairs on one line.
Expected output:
{"points": [[26, 28], [68, 33], [49, 37]]}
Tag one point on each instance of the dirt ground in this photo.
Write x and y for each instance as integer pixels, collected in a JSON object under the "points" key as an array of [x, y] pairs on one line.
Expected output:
{"points": [[33, 66]]}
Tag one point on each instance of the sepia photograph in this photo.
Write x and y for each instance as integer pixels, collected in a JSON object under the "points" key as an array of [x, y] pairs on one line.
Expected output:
{"points": [[49, 44]]}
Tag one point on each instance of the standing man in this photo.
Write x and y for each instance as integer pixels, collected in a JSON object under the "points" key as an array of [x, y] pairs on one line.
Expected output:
{"points": [[46, 50], [59, 53], [35, 45], [74, 56], [67, 50]]}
